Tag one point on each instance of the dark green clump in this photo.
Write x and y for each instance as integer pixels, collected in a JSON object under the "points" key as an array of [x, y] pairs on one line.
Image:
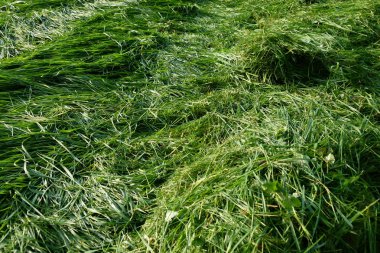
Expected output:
{"points": [[316, 43]]}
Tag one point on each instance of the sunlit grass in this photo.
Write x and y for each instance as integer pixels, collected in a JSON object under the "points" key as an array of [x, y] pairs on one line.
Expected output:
{"points": [[189, 126]]}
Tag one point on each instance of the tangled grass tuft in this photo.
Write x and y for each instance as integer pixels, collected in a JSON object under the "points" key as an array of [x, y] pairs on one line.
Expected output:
{"points": [[319, 42]]}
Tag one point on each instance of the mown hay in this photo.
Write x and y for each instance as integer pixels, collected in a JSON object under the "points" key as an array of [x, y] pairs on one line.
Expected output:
{"points": [[315, 42]]}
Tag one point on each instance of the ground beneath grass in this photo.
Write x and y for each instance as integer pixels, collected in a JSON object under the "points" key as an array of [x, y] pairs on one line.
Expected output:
{"points": [[189, 126]]}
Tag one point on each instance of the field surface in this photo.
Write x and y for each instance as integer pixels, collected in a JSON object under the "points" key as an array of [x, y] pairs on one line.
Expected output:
{"points": [[189, 126]]}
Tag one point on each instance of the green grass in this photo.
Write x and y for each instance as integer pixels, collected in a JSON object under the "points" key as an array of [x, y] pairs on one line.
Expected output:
{"points": [[189, 126]]}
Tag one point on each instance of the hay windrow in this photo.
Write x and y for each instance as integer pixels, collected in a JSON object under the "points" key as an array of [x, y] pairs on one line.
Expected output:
{"points": [[315, 43], [189, 126]]}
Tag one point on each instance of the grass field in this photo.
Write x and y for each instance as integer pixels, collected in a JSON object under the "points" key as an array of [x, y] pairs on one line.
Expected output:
{"points": [[189, 126]]}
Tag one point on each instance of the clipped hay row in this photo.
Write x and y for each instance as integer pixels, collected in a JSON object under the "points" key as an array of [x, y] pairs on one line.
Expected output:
{"points": [[277, 181], [159, 126], [318, 42], [78, 169], [24, 26]]}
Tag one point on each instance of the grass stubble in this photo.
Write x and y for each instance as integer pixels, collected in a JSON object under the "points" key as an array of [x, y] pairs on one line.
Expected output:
{"points": [[189, 126]]}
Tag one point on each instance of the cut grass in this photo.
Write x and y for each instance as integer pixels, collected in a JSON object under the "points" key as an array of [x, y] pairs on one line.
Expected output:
{"points": [[193, 126], [27, 24], [320, 42], [270, 179]]}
